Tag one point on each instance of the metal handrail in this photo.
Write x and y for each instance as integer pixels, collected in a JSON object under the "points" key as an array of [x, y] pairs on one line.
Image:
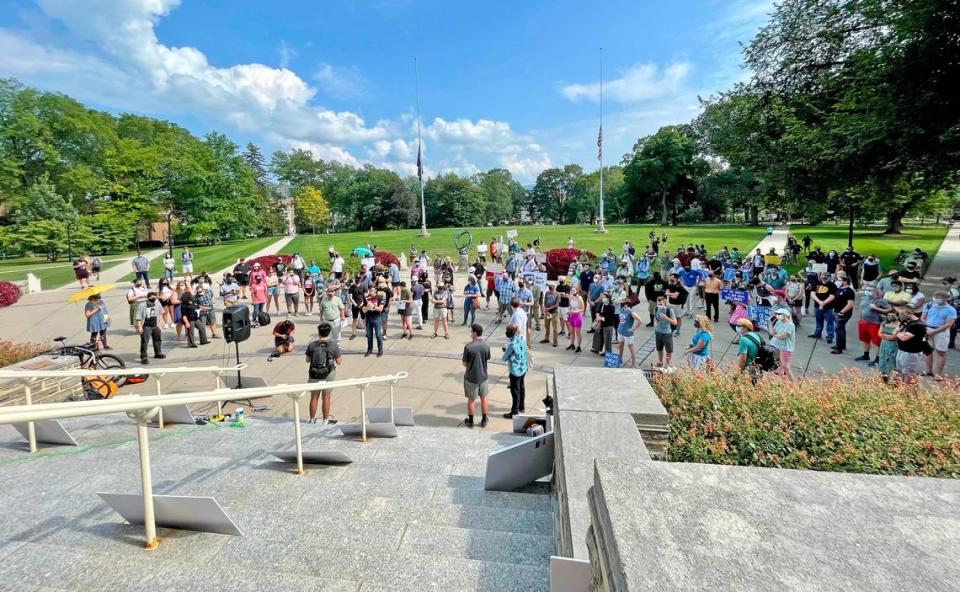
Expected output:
{"points": [[29, 376], [143, 408]]}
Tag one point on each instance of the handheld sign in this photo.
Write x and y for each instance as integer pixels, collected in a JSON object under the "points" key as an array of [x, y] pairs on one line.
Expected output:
{"points": [[741, 296], [511, 234], [611, 360]]}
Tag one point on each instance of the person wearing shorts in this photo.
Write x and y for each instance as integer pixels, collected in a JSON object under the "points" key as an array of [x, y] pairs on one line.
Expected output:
{"points": [[938, 316], [564, 308], [476, 354], [291, 292], [665, 320], [283, 337], [575, 319], [873, 308], [333, 352]]}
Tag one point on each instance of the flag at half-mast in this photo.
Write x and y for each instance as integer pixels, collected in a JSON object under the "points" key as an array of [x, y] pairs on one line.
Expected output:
{"points": [[419, 164], [600, 143]]}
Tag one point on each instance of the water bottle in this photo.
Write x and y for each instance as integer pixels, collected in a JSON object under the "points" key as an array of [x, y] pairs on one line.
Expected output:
{"points": [[238, 415]]}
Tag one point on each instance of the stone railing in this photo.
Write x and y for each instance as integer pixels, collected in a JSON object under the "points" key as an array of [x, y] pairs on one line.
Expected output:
{"points": [[598, 413], [42, 389]]}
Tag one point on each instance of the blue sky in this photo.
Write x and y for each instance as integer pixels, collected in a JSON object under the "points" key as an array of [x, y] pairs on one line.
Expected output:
{"points": [[503, 84]]}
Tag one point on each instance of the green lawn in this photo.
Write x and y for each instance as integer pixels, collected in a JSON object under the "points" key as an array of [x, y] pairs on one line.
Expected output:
{"points": [[52, 275], [871, 240], [211, 258], [441, 239]]}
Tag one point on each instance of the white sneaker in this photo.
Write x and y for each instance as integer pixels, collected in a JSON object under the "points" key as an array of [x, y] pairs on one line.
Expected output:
{"points": [[803, 312]]}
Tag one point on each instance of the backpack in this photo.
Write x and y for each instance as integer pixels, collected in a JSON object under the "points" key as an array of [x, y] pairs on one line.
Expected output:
{"points": [[321, 362], [768, 357], [263, 319], [99, 387]]}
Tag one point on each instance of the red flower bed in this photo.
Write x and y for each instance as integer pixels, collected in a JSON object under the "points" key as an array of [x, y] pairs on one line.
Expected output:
{"points": [[9, 294], [267, 262], [559, 260], [385, 258]]}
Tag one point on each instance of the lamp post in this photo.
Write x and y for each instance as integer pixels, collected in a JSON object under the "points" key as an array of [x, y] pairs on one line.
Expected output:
{"points": [[69, 242], [170, 216]]}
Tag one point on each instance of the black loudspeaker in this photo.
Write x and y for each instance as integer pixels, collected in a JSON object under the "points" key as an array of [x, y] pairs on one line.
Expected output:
{"points": [[236, 323]]}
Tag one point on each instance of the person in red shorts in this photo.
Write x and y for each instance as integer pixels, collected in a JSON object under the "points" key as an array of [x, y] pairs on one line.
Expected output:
{"points": [[873, 309]]}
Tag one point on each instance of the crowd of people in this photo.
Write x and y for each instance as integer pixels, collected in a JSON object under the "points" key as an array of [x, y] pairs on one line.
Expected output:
{"points": [[901, 331]]}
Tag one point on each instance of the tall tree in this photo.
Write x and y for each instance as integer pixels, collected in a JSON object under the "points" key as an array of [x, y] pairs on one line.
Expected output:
{"points": [[552, 191], [254, 159], [665, 165], [454, 201], [501, 192], [311, 208]]}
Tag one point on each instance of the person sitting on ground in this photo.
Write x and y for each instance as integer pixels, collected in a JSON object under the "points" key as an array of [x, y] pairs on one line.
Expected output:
{"points": [[283, 337]]}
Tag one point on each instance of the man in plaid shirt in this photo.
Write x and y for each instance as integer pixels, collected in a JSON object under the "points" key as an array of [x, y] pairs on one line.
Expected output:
{"points": [[506, 290], [204, 300]]}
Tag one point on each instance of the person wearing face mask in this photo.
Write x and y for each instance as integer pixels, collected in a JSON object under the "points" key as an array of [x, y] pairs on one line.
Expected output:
{"points": [[471, 301], [606, 326], [783, 336], [917, 298], [843, 300], [887, 358], [938, 317], [148, 317], [872, 310], [870, 269], [833, 262], [911, 341], [665, 324], [898, 298], [136, 295], [698, 354], [823, 294], [258, 296], [850, 263], [515, 355], [628, 321], [954, 300]]}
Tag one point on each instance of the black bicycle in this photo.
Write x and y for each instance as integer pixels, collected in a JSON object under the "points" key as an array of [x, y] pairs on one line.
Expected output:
{"points": [[88, 355]]}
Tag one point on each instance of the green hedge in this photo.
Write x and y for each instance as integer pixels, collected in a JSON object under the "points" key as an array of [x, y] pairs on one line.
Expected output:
{"points": [[847, 422]]}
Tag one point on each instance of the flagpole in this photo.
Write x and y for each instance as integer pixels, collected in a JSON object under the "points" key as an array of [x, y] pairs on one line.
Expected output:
{"points": [[600, 226], [423, 209]]}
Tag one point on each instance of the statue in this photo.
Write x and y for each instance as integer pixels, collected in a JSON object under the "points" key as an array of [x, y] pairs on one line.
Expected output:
{"points": [[462, 241]]}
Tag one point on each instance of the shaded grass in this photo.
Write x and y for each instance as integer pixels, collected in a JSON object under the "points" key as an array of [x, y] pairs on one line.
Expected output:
{"points": [[871, 240]]}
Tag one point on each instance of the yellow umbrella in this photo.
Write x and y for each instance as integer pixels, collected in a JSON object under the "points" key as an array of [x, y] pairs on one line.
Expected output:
{"points": [[87, 293]]}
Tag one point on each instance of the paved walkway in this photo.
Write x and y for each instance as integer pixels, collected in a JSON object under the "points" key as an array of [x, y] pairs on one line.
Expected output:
{"points": [[777, 240], [117, 272], [946, 263]]}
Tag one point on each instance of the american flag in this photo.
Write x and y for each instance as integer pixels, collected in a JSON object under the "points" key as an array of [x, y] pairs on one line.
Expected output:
{"points": [[600, 144], [419, 164]]}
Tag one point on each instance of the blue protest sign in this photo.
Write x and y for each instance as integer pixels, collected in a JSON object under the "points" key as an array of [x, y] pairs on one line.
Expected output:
{"points": [[741, 296], [611, 360]]}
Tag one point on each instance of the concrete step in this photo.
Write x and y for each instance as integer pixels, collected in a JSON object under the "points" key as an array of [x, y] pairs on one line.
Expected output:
{"points": [[480, 545]]}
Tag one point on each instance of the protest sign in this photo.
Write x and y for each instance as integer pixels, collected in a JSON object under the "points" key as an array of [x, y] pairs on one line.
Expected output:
{"points": [[511, 234], [741, 296]]}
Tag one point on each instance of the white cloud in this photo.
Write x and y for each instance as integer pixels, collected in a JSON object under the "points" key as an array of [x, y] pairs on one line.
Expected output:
{"points": [[329, 152], [108, 52], [341, 83], [637, 83]]}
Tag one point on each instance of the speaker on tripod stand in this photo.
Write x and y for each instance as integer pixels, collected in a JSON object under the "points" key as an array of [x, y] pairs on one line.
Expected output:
{"points": [[236, 328]]}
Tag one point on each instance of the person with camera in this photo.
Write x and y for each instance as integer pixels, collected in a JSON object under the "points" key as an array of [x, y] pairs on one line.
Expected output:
{"points": [[515, 355], [323, 357], [283, 337]]}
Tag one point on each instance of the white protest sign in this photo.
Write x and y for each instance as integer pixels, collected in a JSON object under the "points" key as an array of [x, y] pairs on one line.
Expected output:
{"points": [[482, 248], [819, 268], [536, 277], [511, 234]]}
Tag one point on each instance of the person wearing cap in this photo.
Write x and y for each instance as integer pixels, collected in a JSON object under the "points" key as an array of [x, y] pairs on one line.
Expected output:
{"points": [[850, 263], [748, 346], [843, 300], [938, 316], [241, 273], [332, 310], [911, 274], [884, 283], [665, 321], [822, 296], [783, 336], [229, 290], [551, 314], [439, 299]]}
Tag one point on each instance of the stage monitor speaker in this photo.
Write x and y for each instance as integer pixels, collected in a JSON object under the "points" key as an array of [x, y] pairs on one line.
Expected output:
{"points": [[236, 323]]}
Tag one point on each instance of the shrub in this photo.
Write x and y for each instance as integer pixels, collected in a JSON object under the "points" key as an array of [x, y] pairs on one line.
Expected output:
{"points": [[267, 262], [9, 294], [385, 258], [11, 353], [849, 422], [558, 261]]}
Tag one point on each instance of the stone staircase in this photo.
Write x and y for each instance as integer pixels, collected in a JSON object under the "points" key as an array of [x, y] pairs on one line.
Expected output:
{"points": [[410, 513]]}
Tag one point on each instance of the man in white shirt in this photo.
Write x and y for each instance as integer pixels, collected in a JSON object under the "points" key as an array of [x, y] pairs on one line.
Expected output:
{"points": [[135, 295], [336, 266], [519, 317]]}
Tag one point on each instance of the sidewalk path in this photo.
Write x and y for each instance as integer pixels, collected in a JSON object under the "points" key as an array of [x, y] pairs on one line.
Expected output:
{"points": [[117, 272], [947, 262], [271, 249], [777, 240]]}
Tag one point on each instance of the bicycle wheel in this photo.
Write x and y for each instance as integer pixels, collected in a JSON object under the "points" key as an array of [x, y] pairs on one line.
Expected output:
{"points": [[107, 361]]}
